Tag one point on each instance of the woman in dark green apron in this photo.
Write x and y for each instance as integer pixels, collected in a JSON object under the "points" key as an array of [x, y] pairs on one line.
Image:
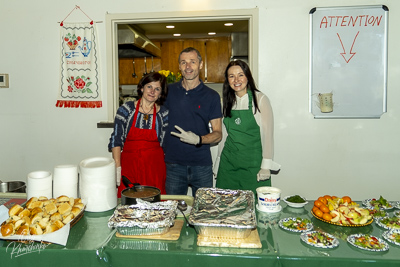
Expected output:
{"points": [[245, 153]]}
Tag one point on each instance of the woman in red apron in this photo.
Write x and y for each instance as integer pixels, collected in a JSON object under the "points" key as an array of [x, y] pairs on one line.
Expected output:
{"points": [[139, 130]]}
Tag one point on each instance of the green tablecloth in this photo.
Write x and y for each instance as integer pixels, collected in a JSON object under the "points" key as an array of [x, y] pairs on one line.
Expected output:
{"points": [[92, 243]]}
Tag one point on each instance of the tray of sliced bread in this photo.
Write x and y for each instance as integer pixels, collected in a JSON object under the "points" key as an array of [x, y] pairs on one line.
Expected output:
{"points": [[40, 215]]}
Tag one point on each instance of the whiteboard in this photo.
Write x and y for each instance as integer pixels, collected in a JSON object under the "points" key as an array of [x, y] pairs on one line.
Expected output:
{"points": [[348, 58]]}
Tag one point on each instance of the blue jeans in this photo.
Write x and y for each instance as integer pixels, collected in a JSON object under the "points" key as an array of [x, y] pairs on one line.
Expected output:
{"points": [[180, 177]]}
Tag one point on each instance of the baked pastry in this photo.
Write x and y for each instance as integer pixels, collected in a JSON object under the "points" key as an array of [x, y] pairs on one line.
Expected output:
{"points": [[7, 229], [75, 211], [23, 230], [34, 229], [51, 228], [63, 199], [59, 223], [64, 208], [68, 218], [41, 215], [15, 210], [50, 208], [30, 201], [24, 213], [56, 216]]}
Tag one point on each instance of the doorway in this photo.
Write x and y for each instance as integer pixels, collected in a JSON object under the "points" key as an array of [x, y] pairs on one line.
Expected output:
{"points": [[113, 20]]}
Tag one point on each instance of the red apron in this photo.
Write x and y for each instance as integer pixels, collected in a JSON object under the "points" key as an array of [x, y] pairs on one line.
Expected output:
{"points": [[142, 158]]}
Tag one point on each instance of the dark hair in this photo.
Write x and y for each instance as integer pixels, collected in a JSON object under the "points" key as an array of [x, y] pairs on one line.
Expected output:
{"points": [[154, 77], [188, 50], [229, 98]]}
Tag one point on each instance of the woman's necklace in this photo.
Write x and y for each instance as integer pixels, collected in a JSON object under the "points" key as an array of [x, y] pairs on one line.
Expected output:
{"points": [[146, 114]]}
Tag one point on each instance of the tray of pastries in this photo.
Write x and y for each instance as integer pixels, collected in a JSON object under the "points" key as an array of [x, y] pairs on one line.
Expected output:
{"points": [[41, 215]]}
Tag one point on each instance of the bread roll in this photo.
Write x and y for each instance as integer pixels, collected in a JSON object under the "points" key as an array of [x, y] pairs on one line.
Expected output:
{"points": [[18, 224], [35, 204], [56, 216], [35, 210], [51, 208], [71, 201], [64, 208], [24, 213], [77, 200], [43, 223], [79, 205], [30, 201], [59, 224], [36, 218], [63, 199], [15, 210], [42, 198], [27, 220], [34, 229], [23, 230], [75, 211], [7, 229], [51, 228], [68, 218]]}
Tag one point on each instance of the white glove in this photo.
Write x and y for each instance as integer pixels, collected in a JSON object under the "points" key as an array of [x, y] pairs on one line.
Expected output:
{"points": [[263, 174], [187, 137], [118, 176]]}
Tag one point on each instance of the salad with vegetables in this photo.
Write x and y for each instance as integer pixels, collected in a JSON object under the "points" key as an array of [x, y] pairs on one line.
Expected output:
{"points": [[320, 239], [296, 224], [390, 222], [380, 203], [394, 236], [369, 242]]}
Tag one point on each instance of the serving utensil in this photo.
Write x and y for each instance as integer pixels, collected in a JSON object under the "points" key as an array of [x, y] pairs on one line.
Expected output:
{"points": [[134, 72]]}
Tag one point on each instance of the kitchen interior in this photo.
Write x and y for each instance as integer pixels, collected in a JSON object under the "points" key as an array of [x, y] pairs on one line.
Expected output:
{"points": [[148, 47]]}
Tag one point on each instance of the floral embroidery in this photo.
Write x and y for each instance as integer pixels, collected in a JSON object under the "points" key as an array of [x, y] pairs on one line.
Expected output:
{"points": [[79, 84]]}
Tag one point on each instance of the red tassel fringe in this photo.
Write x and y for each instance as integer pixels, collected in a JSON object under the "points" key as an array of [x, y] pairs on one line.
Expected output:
{"points": [[78, 104]]}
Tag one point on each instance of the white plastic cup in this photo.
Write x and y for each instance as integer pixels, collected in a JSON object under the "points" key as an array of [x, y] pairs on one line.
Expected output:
{"points": [[39, 183], [268, 198]]}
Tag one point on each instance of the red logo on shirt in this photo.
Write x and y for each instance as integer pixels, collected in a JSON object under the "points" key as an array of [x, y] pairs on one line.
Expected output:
{"points": [[199, 106]]}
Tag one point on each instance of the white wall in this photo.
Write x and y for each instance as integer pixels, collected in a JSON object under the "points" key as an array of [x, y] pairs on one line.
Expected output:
{"points": [[356, 157]]}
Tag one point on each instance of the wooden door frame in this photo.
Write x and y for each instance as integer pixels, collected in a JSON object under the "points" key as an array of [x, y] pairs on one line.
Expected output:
{"points": [[112, 21]]}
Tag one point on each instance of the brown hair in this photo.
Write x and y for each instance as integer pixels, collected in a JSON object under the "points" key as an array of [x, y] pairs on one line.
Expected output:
{"points": [[154, 77]]}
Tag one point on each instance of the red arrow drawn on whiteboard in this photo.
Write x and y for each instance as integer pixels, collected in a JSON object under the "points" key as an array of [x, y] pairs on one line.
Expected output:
{"points": [[351, 49]]}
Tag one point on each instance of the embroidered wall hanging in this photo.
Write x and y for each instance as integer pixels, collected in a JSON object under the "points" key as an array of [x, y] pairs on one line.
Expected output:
{"points": [[80, 81]]}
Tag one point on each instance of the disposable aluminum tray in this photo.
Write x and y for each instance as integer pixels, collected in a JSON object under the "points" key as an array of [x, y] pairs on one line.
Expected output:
{"points": [[144, 218], [223, 213]]}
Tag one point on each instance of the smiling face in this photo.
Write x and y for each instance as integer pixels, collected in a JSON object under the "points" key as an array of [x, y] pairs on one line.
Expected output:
{"points": [[237, 80], [190, 65], [151, 91]]}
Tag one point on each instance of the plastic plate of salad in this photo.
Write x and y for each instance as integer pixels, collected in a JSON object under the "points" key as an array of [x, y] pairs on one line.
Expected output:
{"points": [[367, 242], [380, 203], [319, 239], [297, 225], [393, 236], [397, 213], [389, 222]]}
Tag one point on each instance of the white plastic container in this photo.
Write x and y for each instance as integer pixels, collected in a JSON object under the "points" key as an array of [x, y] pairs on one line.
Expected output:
{"points": [[39, 183], [268, 199], [97, 184]]}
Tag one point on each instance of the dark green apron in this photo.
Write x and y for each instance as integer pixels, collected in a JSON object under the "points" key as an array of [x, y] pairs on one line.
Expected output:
{"points": [[242, 154]]}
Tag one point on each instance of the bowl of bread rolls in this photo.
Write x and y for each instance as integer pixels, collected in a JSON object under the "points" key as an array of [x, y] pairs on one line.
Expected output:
{"points": [[41, 215]]}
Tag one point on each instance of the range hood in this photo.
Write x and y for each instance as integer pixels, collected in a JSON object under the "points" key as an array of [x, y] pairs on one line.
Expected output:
{"points": [[240, 46], [134, 44]]}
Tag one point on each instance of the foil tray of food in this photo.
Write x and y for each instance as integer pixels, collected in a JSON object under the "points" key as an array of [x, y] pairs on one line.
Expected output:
{"points": [[223, 213], [144, 218]]}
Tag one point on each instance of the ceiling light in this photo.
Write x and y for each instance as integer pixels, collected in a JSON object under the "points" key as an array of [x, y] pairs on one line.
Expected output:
{"points": [[228, 24], [212, 33], [177, 34], [170, 26]]}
